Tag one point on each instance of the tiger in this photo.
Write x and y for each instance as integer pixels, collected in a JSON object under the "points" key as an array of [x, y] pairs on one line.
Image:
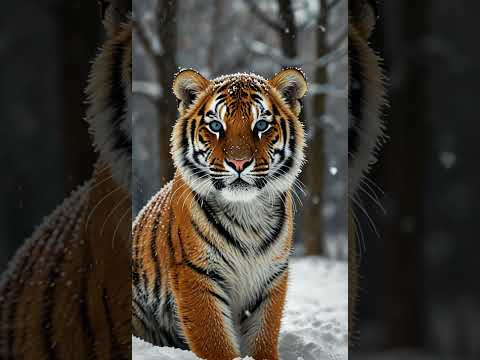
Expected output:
{"points": [[366, 130], [66, 294], [211, 248]]}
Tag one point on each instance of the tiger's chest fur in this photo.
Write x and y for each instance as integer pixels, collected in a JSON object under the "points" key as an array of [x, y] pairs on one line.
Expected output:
{"points": [[243, 247], [260, 237]]}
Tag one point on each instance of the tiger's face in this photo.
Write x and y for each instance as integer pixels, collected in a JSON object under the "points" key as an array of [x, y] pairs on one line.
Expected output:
{"points": [[238, 136], [365, 93]]}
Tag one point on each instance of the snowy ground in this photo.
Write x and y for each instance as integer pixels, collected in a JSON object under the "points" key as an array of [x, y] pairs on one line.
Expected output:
{"points": [[315, 326]]}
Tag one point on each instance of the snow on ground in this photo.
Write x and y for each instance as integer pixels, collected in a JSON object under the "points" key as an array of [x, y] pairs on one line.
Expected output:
{"points": [[315, 325]]}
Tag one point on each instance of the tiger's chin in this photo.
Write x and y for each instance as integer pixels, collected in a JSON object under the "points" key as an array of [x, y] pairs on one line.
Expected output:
{"points": [[237, 194]]}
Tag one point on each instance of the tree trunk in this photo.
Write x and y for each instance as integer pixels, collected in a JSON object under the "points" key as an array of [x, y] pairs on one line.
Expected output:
{"points": [[214, 50], [79, 25], [403, 173], [166, 67], [313, 222], [288, 34]]}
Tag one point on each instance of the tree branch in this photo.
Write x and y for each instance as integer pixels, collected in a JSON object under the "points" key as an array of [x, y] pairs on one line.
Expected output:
{"points": [[255, 9], [261, 49], [146, 43], [333, 4]]}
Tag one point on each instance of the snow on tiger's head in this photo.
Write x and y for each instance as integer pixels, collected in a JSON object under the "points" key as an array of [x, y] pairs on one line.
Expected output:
{"points": [[109, 93], [239, 136]]}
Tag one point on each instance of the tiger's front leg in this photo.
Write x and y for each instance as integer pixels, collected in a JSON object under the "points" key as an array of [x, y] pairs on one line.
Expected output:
{"points": [[205, 314], [261, 323]]}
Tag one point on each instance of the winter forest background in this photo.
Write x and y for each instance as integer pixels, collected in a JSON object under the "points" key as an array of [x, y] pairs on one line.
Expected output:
{"points": [[220, 37], [421, 294], [46, 49]]}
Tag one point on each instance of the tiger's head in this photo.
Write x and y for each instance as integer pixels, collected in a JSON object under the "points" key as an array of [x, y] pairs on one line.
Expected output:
{"points": [[109, 93], [365, 94], [239, 135]]}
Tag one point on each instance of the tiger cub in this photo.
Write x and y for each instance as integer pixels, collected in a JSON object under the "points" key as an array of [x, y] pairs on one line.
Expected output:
{"points": [[67, 292], [365, 128], [211, 248]]}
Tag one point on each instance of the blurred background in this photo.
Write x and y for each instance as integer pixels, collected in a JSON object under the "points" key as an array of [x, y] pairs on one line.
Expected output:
{"points": [[220, 37], [421, 297], [46, 48]]}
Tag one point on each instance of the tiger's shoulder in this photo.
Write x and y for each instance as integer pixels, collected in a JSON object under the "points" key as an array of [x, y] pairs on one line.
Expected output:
{"points": [[159, 202]]}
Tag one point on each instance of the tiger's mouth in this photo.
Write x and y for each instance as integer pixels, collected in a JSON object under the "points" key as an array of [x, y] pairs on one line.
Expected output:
{"points": [[239, 190], [240, 184]]}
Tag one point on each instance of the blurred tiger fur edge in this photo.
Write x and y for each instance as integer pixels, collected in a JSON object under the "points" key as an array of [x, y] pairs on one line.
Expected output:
{"points": [[366, 98], [67, 292]]}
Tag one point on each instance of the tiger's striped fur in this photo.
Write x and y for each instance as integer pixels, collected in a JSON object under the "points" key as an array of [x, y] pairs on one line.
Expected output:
{"points": [[66, 293], [211, 249], [366, 129]]}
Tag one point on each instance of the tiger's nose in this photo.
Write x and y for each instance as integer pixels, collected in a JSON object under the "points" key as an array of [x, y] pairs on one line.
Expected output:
{"points": [[238, 164]]}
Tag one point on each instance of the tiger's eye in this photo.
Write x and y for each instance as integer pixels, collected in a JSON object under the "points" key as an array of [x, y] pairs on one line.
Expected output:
{"points": [[261, 125], [215, 126]]}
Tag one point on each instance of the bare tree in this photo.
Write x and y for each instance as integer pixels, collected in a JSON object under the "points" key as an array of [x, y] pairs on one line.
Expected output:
{"points": [[164, 29], [313, 224], [403, 173]]}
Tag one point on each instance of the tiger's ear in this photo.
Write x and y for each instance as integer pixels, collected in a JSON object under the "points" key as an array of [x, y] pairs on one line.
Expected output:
{"points": [[187, 84], [114, 14], [292, 86], [364, 13]]}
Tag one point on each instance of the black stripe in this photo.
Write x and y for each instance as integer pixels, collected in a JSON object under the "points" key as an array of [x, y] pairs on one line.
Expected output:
{"points": [[168, 339], [283, 125], [256, 97], [275, 234], [118, 101], [185, 161], [210, 215], [211, 274], [184, 135], [193, 127], [145, 285], [138, 332], [276, 275], [220, 102], [209, 243], [171, 250], [84, 312], [154, 256], [254, 307], [288, 163], [116, 352], [140, 308], [219, 297], [224, 86]]}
